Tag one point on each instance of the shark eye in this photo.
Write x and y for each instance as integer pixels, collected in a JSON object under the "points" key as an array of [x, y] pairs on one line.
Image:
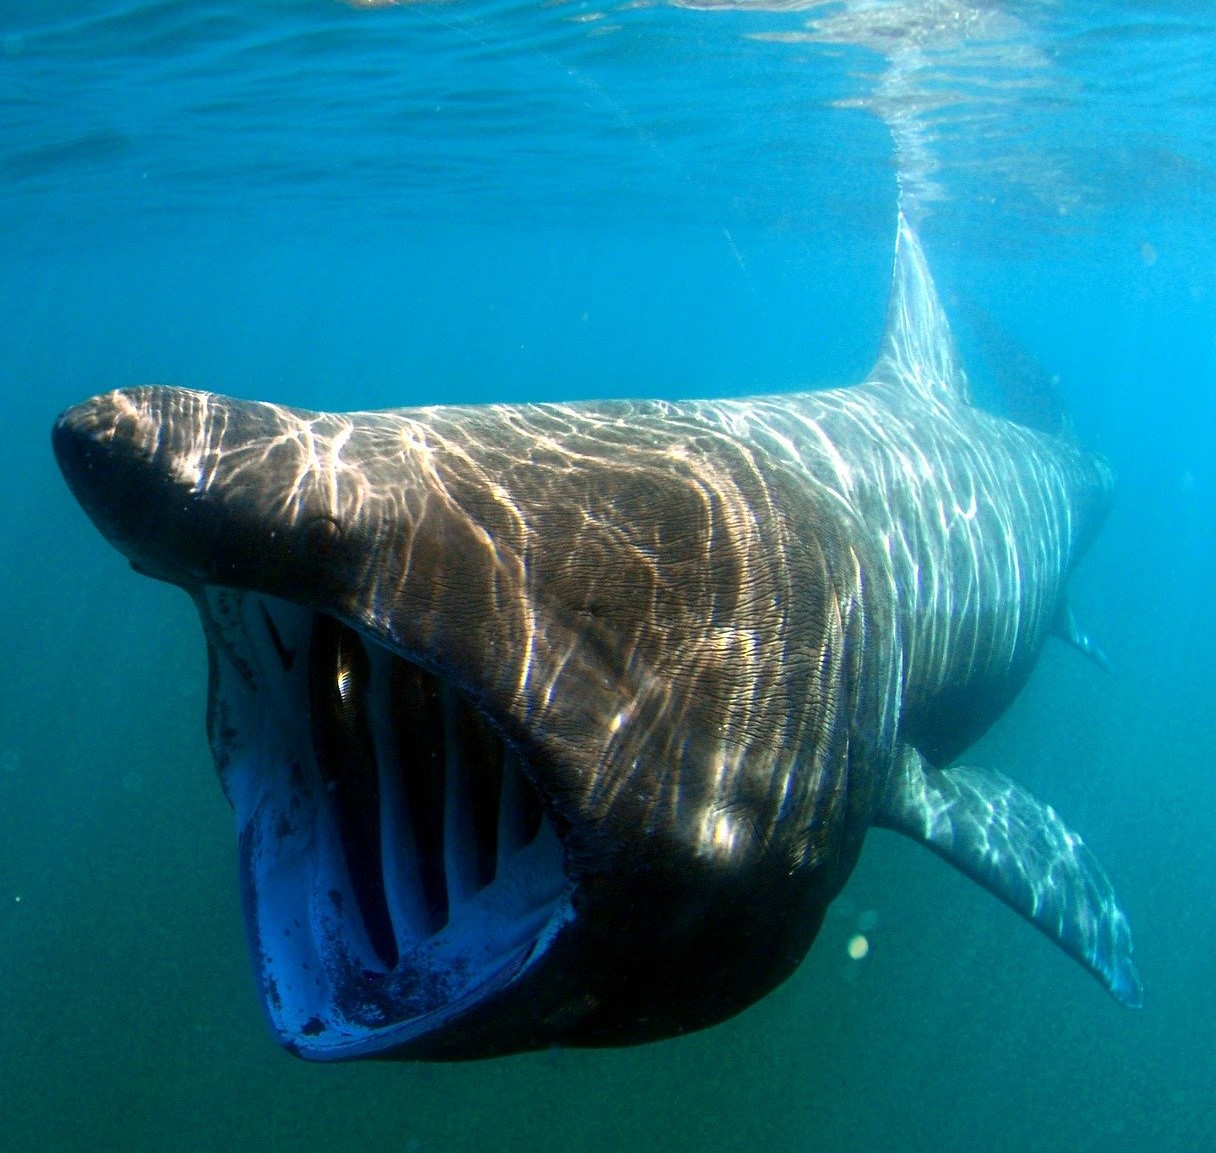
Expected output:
{"points": [[322, 536], [321, 529]]}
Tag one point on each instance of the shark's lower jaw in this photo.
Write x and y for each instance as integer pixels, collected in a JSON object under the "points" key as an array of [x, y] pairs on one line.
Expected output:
{"points": [[397, 867]]}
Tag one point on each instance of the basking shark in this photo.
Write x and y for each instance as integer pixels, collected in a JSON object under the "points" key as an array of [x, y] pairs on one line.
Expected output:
{"points": [[565, 723]]}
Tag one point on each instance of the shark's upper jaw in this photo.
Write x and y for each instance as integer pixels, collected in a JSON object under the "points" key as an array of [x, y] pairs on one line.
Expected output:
{"points": [[397, 866]]}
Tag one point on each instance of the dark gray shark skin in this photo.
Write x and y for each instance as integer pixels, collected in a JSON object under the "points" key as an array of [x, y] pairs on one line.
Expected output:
{"points": [[565, 723]]}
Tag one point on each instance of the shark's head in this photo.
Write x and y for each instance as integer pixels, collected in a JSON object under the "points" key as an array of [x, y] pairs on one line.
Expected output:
{"points": [[535, 732]]}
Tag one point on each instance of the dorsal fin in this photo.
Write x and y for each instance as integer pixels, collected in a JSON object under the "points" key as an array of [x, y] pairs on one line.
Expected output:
{"points": [[918, 348]]}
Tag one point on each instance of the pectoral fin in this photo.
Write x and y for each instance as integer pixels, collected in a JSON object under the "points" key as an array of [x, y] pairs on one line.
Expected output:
{"points": [[1069, 630], [1019, 849]]}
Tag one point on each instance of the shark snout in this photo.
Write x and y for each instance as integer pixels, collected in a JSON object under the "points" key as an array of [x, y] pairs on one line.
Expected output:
{"points": [[107, 449], [160, 472]]}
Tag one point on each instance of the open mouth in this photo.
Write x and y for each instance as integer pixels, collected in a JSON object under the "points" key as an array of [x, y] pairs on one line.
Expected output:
{"points": [[397, 865]]}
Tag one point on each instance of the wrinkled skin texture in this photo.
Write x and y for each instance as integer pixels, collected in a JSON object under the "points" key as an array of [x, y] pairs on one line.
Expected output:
{"points": [[721, 639]]}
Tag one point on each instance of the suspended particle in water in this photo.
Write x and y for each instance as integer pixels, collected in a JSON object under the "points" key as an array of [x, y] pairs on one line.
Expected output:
{"points": [[858, 947]]}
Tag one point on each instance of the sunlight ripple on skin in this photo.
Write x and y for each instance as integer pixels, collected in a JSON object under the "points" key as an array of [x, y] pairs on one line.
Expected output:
{"points": [[521, 707]]}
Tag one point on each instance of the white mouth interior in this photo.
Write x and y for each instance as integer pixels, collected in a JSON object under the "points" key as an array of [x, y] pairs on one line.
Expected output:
{"points": [[397, 866]]}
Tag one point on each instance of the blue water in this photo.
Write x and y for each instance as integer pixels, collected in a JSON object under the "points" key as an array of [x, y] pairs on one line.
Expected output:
{"points": [[350, 207]]}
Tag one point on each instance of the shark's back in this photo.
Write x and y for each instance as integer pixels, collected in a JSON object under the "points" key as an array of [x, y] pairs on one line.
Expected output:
{"points": [[981, 520]]}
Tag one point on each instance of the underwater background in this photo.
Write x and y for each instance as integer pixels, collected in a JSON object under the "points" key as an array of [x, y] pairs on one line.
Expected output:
{"points": [[359, 206]]}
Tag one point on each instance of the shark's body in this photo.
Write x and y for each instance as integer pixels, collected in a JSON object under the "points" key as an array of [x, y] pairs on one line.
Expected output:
{"points": [[565, 723]]}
